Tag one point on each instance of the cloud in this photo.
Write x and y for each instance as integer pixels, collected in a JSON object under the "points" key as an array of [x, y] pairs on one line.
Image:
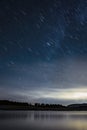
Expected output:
{"points": [[62, 80]]}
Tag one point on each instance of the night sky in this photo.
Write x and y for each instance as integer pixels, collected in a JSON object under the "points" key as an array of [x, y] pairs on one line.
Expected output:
{"points": [[43, 51]]}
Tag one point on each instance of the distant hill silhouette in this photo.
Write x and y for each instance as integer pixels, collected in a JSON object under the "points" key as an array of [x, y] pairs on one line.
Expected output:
{"points": [[11, 105], [80, 107]]}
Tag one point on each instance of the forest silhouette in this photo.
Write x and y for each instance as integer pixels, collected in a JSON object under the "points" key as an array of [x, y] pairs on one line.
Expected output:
{"points": [[13, 105]]}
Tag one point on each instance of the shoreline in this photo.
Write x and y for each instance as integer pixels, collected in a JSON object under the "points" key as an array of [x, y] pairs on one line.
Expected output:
{"points": [[23, 106]]}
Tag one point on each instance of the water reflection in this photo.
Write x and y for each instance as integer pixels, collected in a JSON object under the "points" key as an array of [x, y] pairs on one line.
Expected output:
{"points": [[40, 120], [6, 115]]}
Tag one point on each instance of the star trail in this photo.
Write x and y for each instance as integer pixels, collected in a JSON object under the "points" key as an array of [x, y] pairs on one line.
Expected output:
{"points": [[43, 50]]}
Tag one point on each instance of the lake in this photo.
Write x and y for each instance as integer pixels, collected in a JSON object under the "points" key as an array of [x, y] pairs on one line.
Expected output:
{"points": [[42, 120]]}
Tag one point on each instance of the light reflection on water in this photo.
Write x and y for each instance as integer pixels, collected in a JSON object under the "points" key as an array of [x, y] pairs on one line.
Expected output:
{"points": [[42, 120]]}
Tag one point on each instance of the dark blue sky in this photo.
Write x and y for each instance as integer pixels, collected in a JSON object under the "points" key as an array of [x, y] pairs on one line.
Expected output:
{"points": [[43, 50]]}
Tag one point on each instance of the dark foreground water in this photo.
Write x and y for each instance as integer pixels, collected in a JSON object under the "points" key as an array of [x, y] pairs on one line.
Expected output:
{"points": [[42, 120]]}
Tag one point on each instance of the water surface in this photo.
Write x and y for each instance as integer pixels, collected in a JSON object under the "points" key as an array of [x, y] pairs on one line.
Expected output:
{"points": [[42, 120]]}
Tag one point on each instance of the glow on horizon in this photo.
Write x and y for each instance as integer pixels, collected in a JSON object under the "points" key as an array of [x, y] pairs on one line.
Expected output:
{"points": [[68, 95], [60, 94]]}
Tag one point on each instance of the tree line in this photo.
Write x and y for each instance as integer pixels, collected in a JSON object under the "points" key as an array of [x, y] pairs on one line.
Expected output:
{"points": [[13, 105]]}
